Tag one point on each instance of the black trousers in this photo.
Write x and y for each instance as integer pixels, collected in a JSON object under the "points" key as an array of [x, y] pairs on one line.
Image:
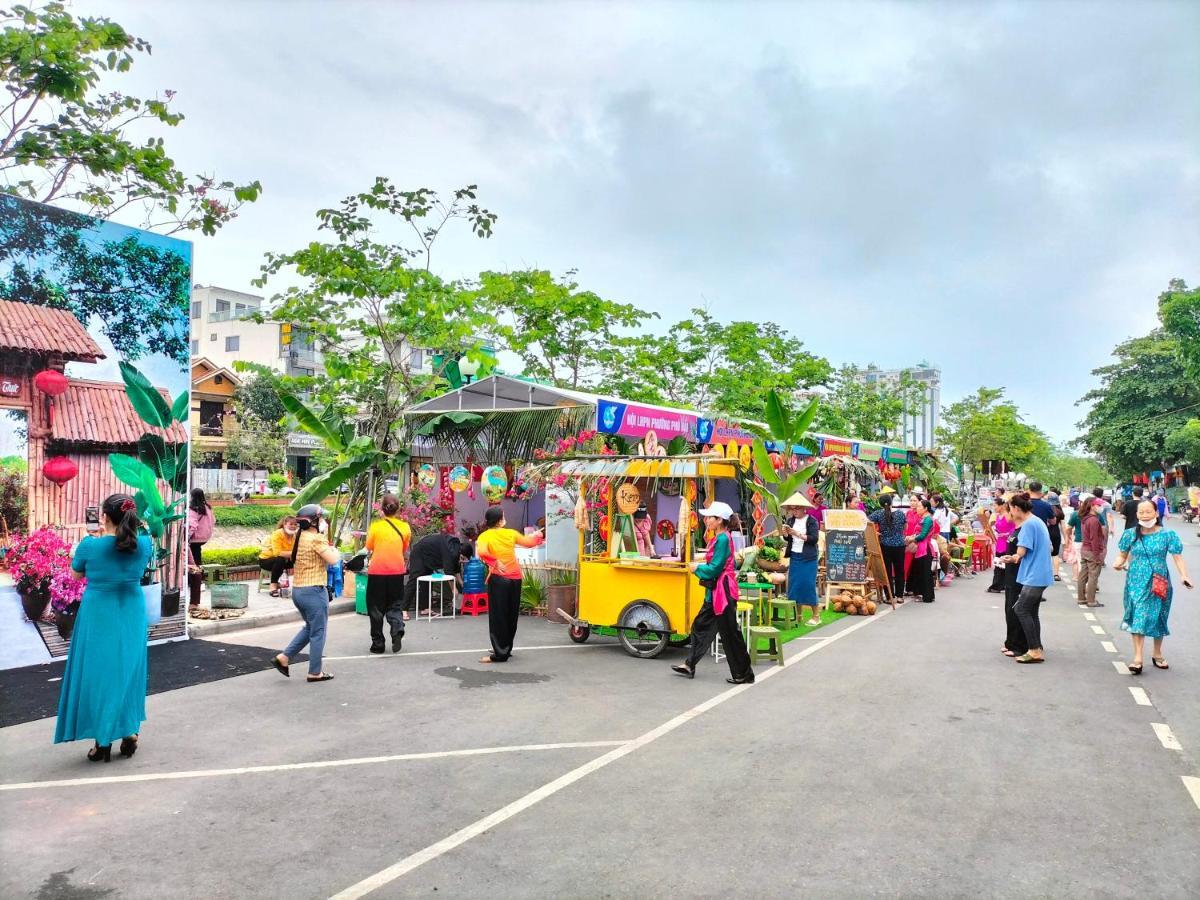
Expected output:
{"points": [[1027, 607], [276, 566], [195, 581], [385, 600], [197, 550], [706, 626], [1014, 640], [998, 578], [920, 577], [504, 609], [893, 561]]}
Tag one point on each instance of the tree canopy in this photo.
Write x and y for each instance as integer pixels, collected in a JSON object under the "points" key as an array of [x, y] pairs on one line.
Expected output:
{"points": [[64, 136], [871, 412]]}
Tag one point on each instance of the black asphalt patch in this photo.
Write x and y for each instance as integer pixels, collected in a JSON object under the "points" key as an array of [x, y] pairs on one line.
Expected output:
{"points": [[31, 692]]}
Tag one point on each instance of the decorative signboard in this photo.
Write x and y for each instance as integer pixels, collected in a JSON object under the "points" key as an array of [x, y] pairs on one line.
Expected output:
{"points": [[629, 498], [427, 475], [460, 479], [494, 483], [846, 557], [10, 388]]}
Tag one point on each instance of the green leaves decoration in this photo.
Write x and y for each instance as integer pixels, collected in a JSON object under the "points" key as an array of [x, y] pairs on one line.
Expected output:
{"points": [[181, 407], [147, 401], [318, 425]]}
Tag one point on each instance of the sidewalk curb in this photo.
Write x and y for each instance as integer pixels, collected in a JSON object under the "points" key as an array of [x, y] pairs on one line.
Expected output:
{"points": [[210, 627]]}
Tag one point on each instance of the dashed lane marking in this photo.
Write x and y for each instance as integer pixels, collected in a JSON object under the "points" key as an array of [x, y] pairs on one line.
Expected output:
{"points": [[1097, 629], [1140, 697], [1166, 736], [1091, 617], [1192, 783], [1110, 647], [1120, 667]]}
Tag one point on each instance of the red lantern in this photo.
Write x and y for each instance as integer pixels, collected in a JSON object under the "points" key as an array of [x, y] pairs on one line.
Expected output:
{"points": [[51, 381], [60, 470]]}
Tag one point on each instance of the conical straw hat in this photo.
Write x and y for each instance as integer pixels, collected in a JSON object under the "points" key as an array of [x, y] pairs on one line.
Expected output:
{"points": [[797, 499]]}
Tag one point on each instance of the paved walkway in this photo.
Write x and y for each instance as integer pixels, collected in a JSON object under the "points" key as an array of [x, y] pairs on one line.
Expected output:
{"points": [[900, 755], [261, 610]]}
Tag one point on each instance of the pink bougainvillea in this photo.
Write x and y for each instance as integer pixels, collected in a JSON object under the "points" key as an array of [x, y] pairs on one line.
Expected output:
{"points": [[41, 561]]}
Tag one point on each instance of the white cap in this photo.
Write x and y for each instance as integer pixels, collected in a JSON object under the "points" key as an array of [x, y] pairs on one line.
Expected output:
{"points": [[718, 509]]}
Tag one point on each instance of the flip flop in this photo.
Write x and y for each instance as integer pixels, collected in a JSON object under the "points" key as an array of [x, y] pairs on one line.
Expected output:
{"points": [[1008, 652], [280, 667], [1159, 662], [324, 676], [1027, 659]]}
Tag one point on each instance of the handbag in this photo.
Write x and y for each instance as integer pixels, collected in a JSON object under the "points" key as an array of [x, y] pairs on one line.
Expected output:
{"points": [[1159, 586]]}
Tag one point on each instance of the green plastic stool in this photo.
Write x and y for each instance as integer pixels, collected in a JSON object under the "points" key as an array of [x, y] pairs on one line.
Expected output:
{"points": [[774, 643], [785, 611]]}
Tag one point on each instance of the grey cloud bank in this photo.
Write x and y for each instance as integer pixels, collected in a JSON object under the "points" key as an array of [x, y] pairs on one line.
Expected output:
{"points": [[890, 182]]}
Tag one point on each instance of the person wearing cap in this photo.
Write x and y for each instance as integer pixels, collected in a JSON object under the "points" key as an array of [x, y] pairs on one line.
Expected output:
{"points": [[310, 558], [718, 614], [802, 532]]}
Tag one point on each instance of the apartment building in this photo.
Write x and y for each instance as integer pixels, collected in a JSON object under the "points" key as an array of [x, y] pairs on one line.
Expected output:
{"points": [[223, 334], [918, 427]]}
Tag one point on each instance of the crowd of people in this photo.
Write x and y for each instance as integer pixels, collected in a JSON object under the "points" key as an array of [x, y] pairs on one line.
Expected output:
{"points": [[1028, 534]]}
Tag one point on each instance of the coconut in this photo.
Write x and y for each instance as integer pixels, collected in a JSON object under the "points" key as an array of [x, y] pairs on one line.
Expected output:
{"points": [[838, 605], [871, 607], [851, 609]]}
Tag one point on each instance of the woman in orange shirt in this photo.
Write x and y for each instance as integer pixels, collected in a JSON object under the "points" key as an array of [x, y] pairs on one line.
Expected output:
{"points": [[388, 541], [497, 547]]}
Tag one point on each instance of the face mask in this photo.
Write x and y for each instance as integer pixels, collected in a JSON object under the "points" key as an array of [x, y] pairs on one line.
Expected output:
{"points": [[290, 532], [1148, 523], [323, 527]]}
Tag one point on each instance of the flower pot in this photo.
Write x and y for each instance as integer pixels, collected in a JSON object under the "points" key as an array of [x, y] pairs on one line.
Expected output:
{"points": [[34, 603], [560, 596], [170, 603], [64, 621]]}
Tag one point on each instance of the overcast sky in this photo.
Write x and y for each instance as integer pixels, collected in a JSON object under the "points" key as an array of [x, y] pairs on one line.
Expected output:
{"points": [[1002, 189]]}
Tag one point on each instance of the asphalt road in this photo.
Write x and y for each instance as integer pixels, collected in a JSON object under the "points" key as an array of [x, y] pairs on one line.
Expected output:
{"points": [[896, 756]]}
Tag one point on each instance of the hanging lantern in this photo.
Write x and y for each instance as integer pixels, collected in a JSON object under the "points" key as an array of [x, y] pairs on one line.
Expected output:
{"points": [[60, 470], [51, 381]]}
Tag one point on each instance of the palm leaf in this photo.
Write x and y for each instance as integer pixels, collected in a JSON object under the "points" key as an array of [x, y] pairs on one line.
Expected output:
{"points": [[766, 469], [147, 402], [778, 418], [179, 410], [801, 425], [320, 488]]}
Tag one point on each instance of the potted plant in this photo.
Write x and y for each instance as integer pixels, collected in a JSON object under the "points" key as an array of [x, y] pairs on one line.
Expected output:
{"points": [[533, 596], [561, 592], [34, 559], [66, 592], [158, 461]]}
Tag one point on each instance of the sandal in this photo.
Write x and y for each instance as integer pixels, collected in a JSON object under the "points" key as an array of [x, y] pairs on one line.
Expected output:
{"points": [[280, 667], [274, 593], [1134, 670], [129, 746], [324, 676], [1159, 662], [1027, 659]]}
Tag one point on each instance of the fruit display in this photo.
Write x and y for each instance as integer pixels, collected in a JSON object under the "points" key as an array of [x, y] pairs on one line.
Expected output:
{"points": [[853, 604]]}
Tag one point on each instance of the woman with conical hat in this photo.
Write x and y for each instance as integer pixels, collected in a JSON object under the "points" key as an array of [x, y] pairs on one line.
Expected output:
{"points": [[802, 532]]}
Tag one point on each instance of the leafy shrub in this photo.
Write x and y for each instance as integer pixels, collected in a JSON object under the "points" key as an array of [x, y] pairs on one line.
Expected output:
{"points": [[242, 556], [276, 483], [14, 499], [250, 516]]}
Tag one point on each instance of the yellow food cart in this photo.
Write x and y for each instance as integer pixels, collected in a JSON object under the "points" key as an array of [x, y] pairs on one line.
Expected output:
{"points": [[645, 602]]}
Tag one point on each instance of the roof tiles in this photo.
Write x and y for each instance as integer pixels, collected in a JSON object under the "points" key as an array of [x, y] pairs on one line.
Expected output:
{"points": [[40, 329], [99, 413]]}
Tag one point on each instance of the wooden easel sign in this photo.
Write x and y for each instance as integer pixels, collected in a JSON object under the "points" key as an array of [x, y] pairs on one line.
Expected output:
{"points": [[853, 557]]}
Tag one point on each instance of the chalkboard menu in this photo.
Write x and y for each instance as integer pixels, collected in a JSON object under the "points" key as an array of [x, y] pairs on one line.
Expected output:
{"points": [[846, 556]]}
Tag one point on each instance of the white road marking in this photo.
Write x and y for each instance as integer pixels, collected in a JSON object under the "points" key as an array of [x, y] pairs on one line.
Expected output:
{"points": [[1097, 629], [1166, 736], [403, 653], [1121, 667], [1109, 646], [323, 764], [1140, 697], [1090, 617], [460, 837], [1192, 783]]}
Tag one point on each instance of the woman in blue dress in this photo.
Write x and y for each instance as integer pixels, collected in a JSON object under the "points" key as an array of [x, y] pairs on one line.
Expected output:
{"points": [[104, 686], [802, 532], [1144, 552]]}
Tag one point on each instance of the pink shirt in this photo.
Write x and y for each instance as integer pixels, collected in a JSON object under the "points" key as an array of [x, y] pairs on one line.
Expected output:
{"points": [[1003, 528]]}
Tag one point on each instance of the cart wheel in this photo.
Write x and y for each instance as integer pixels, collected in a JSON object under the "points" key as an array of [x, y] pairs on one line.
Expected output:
{"points": [[643, 629], [579, 633]]}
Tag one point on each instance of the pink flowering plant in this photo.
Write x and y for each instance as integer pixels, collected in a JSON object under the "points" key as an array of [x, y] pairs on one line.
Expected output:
{"points": [[585, 443], [40, 562]]}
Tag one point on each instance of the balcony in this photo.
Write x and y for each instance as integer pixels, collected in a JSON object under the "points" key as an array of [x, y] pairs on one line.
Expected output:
{"points": [[228, 315], [212, 431]]}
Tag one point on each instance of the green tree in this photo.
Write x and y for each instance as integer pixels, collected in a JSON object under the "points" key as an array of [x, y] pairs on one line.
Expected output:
{"points": [[1144, 398], [1179, 312], [986, 426], [567, 336], [65, 140], [261, 395], [255, 443], [868, 411], [721, 368], [1184, 444], [138, 291], [368, 305], [1059, 467]]}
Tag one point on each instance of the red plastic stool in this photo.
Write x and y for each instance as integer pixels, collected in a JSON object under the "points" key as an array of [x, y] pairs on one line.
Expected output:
{"points": [[474, 604]]}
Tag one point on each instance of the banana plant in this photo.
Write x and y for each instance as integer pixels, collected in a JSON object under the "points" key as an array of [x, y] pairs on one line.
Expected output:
{"points": [[355, 454], [790, 431], [156, 461]]}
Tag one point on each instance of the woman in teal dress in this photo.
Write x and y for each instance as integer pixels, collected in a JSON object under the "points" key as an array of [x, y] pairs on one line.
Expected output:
{"points": [[104, 686], [1144, 552]]}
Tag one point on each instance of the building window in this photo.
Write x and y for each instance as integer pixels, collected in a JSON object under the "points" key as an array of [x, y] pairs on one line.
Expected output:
{"points": [[195, 348], [416, 360], [222, 306], [197, 309], [233, 344], [212, 418]]}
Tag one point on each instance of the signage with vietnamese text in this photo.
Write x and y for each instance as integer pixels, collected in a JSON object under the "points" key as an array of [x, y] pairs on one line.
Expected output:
{"points": [[846, 556], [836, 447], [868, 452], [891, 455], [634, 420]]}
